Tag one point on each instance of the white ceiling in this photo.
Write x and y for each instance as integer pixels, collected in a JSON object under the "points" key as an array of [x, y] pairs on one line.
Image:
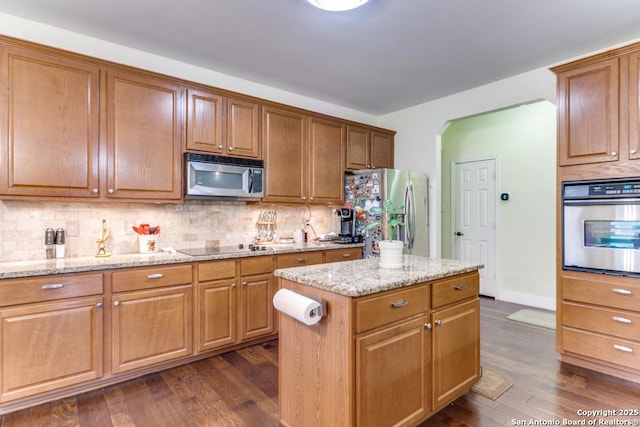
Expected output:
{"points": [[385, 56]]}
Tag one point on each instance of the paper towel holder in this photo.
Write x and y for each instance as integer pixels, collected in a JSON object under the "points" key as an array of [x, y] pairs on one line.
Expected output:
{"points": [[317, 312]]}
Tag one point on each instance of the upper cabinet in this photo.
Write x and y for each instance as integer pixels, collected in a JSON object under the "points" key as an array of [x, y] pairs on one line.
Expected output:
{"points": [[144, 151], [304, 157], [368, 149], [49, 132], [598, 114], [221, 125]]}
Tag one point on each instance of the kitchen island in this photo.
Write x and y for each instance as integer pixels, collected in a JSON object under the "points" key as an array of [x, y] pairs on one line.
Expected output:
{"points": [[393, 347]]}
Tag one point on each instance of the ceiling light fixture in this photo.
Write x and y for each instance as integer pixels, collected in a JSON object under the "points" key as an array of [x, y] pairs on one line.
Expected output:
{"points": [[337, 5]]}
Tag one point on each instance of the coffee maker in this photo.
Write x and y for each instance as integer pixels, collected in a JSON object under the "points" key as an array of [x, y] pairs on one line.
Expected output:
{"points": [[347, 225]]}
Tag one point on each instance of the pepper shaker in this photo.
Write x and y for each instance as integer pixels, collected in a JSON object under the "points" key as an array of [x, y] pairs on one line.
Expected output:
{"points": [[49, 243]]}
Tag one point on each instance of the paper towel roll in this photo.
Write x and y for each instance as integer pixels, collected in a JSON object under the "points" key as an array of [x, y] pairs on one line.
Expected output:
{"points": [[301, 308]]}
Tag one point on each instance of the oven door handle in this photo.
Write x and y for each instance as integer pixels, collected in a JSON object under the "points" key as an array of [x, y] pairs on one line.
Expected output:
{"points": [[599, 202]]}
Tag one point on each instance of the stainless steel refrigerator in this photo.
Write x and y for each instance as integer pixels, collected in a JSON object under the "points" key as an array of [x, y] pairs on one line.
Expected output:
{"points": [[365, 189]]}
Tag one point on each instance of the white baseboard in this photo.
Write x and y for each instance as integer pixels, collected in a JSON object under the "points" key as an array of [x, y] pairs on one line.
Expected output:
{"points": [[527, 299]]}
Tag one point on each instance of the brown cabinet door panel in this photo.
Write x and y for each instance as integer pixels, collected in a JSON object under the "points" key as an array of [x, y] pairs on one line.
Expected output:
{"points": [[326, 161], [49, 140], [204, 121], [358, 148], [216, 315], [143, 137], [256, 309], [381, 150], [243, 131]]}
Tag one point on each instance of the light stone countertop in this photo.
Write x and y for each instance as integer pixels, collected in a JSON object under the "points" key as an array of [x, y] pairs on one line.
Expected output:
{"points": [[364, 277], [17, 269]]}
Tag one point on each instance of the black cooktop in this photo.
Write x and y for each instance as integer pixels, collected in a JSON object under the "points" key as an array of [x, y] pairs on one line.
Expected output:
{"points": [[212, 251]]}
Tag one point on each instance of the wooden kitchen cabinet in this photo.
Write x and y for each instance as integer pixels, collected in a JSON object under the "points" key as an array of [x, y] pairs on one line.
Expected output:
{"points": [[220, 125], [51, 333], [368, 149], [143, 135], [346, 254], [303, 157], [257, 315], [50, 125], [152, 316]]}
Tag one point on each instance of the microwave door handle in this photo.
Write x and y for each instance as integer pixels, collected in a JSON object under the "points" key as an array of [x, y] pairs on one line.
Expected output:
{"points": [[246, 180]]}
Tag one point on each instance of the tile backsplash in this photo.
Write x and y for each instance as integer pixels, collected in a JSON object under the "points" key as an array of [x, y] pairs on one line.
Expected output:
{"points": [[194, 224]]}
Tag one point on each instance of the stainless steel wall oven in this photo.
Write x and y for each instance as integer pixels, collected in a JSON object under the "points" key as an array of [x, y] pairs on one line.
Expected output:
{"points": [[601, 226]]}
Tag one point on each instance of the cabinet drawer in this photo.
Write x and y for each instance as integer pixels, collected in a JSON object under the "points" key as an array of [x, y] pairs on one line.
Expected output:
{"points": [[621, 324], [388, 307], [256, 265], [25, 291], [448, 291], [216, 270], [346, 254], [153, 277], [608, 349], [615, 293], [300, 259]]}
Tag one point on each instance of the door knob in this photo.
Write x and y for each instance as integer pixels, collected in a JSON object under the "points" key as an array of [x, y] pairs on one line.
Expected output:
{"points": [[459, 233]]}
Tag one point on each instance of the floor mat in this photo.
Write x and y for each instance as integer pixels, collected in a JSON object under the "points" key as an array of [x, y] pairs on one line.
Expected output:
{"points": [[545, 319], [492, 384]]}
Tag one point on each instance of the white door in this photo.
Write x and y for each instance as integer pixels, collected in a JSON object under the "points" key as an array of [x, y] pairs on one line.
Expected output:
{"points": [[474, 224]]}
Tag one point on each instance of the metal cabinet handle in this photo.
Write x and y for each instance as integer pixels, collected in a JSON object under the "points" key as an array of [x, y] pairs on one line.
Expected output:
{"points": [[244, 283], [220, 147], [230, 148], [438, 322], [155, 276], [621, 291], [99, 305], [52, 286], [633, 151], [613, 154], [94, 190], [233, 285], [398, 304], [460, 287], [427, 326], [346, 255], [623, 348], [116, 303], [304, 197], [111, 191], [621, 319], [302, 259]]}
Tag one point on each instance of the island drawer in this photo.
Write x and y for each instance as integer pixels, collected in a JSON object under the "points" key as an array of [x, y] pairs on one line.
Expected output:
{"points": [[153, 277], [300, 259], [449, 291], [600, 290], [29, 290], [256, 265], [216, 270], [382, 309], [622, 324], [346, 254]]}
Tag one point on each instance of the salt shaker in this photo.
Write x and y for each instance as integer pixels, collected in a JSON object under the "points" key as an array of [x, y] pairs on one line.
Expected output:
{"points": [[60, 243]]}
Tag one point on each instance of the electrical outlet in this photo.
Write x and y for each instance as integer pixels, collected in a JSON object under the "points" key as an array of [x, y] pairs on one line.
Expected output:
{"points": [[128, 227], [73, 228]]}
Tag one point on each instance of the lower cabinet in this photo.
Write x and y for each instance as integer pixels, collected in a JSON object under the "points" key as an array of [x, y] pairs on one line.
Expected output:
{"points": [[51, 334], [257, 315], [151, 317]]}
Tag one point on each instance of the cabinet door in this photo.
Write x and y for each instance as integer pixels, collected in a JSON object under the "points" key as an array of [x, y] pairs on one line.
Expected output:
{"points": [[634, 106], [48, 346], [588, 119], [381, 150], [284, 140], [50, 125], [347, 254], [151, 326], [358, 148], [392, 375], [204, 121], [144, 153], [217, 314], [456, 351], [326, 161], [243, 132], [256, 308]]}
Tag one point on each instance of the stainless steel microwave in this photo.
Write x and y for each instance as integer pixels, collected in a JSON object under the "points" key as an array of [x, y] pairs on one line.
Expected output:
{"points": [[231, 178]]}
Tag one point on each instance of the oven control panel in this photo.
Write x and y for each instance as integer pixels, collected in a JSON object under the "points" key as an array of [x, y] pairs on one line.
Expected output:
{"points": [[608, 189]]}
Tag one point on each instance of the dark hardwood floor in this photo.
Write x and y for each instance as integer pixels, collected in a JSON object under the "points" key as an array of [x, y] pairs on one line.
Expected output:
{"points": [[240, 388]]}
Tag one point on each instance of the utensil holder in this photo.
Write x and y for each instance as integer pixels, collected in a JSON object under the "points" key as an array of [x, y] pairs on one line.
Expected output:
{"points": [[148, 243]]}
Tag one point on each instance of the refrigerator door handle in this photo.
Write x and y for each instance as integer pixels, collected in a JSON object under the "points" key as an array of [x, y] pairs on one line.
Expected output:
{"points": [[410, 216]]}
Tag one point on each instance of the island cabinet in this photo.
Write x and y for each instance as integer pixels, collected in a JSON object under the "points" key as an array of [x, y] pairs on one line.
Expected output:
{"points": [[51, 334], [151, 316], [368, 149], [389, 358]]}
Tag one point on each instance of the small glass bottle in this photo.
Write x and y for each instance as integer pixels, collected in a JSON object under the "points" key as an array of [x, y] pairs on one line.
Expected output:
{"points": [[48, 242]]}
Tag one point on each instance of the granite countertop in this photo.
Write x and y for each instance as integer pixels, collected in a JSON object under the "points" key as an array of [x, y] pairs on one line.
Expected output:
{"points": [[364, 277], [16, 269]]}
